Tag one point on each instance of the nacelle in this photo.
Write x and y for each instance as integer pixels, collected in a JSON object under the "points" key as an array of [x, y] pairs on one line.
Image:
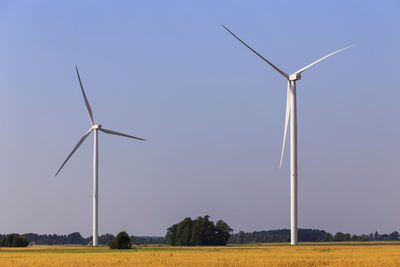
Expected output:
{"points": [[295, 77]]}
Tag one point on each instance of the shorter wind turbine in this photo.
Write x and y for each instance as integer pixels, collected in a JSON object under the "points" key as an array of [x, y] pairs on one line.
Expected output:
{"points": [[95, 128], [291, 111]]}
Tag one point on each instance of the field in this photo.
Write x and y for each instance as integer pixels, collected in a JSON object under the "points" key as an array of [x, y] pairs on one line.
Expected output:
{"points": [[306, 254]]}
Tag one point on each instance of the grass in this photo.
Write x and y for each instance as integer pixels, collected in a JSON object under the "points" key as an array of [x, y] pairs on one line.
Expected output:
{"points": [[306, 254]]}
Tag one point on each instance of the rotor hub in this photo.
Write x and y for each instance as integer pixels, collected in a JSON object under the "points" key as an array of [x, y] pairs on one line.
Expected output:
{"points": [[96, 126]]}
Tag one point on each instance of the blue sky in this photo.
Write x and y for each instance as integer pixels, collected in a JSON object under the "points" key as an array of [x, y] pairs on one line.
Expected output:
{"points": [[212, 112]]}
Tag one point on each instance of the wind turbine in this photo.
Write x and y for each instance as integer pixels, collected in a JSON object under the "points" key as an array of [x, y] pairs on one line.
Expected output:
{"points": [[95, 128], [290, 110]]}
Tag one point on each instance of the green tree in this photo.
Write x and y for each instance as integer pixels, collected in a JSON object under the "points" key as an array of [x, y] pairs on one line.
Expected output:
{"points": [[75, 238], [171, 235], [376, 235], [223, 232], [184, 232], [347, 237], [14, 240], [122, 241], [240, 237], [197, 232], [339, 236], [394, 235], [327, 238], [203, 232], [106, 239]]}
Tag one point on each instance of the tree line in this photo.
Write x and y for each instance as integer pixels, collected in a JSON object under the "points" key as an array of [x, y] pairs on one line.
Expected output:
{"points": [[306, 235], [200, 231], [77, 239]]}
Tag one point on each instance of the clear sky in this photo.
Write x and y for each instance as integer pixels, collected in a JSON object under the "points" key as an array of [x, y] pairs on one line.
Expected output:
{"points": [[212, 111]]}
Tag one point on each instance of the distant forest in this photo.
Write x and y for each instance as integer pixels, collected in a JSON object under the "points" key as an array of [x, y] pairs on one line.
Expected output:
{"points": [[305, 235], [283, 235], [77, 239]]}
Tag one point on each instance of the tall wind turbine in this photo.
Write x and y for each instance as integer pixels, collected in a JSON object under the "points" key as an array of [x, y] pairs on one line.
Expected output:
{"points": [[290, 110], [95, 128]]}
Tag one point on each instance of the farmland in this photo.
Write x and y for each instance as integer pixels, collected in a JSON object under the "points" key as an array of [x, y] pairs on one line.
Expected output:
{"points": [[306, 254]]}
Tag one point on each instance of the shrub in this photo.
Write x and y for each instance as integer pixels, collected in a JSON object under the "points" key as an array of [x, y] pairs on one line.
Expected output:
{"points": [[122, 241]]}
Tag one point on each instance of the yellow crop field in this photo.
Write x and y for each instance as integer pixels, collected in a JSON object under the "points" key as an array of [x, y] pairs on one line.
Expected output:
{"points": [[306, 254]]}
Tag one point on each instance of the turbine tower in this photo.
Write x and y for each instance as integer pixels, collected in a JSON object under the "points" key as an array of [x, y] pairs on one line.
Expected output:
{"points": [[95, 128], [290, 112]]}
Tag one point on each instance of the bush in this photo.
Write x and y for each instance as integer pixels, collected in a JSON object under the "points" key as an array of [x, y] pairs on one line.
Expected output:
{"points": [[14, 240], [122, 241]]}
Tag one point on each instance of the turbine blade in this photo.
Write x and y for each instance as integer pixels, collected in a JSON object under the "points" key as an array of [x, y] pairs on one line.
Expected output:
{"points": [[85, 98], [75, 148], [315, 62], [288, 101], [272, 65], [121, 134]]}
